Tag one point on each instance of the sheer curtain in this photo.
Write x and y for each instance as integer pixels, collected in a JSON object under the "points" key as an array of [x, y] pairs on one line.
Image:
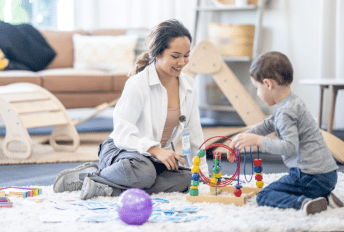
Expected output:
{"points": [[91, 14]]}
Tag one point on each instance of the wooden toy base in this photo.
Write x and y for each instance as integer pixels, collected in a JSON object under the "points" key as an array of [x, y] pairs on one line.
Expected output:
{"points": [[247, 192]]}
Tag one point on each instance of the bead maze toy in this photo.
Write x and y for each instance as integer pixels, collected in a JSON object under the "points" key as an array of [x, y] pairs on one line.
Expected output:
{"points": [[217, 185]]}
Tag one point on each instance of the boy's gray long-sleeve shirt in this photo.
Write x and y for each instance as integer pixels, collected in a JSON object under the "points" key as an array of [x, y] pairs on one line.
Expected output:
{"points": [[300, 142]]}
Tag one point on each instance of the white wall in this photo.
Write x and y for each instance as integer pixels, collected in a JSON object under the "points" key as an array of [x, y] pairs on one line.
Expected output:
{"points": [[293, 27], [93, 14]]}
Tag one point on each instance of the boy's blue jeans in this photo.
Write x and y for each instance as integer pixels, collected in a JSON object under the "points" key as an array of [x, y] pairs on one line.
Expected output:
{"points": [[291, 190]]}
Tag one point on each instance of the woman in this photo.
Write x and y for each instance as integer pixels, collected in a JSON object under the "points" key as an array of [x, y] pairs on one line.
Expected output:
{"points": [[157, 105]]}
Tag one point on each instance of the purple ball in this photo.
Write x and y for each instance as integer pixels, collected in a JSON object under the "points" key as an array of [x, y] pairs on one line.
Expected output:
{"points": [[134, 206]]}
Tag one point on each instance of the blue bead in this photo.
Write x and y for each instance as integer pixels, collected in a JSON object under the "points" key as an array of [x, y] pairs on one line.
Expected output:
{"points": [[258, 169], [195, 176], [238, 186]]}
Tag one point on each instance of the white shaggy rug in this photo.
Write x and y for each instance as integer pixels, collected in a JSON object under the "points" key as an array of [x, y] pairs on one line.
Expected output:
{"points": [[29, 214]]}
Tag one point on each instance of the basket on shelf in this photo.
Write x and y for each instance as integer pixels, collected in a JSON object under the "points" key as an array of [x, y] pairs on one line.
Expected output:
{"points": [[232, 40], [224, 3]]}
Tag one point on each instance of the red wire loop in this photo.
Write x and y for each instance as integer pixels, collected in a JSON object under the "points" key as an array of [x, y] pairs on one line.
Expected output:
{"points": [[205, 179]]}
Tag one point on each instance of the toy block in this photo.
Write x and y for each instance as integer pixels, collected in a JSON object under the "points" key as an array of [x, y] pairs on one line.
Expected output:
{"points": [[4, 199], [5, 202], [20, 191]]}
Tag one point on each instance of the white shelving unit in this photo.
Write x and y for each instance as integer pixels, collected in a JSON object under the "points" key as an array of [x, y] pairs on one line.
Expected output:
{"points": [[259, 8], [209, 8]]}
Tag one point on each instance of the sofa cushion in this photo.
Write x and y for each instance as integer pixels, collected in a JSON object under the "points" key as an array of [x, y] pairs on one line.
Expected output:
{"points": [[113, 32], [14, 76], [119, 81], [85, 100], [109, 53], [141, 46], [76, 80], [62, 43]]}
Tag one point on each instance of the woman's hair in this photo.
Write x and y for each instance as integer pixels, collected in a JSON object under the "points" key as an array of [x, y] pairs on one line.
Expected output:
{"points": [[272, 65], [158, 41]]}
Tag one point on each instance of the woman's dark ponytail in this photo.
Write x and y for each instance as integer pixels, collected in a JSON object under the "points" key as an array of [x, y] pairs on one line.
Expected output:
{"points": [[141, 62]]}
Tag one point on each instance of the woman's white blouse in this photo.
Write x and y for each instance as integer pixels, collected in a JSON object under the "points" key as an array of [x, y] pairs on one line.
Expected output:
{"points": [[140, 115]]}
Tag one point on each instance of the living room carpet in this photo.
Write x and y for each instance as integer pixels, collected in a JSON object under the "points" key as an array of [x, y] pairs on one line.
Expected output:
{"points": [[41, 213]]}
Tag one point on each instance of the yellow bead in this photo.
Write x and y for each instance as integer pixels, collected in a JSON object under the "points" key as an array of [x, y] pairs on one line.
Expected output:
{"points": [[218, 175], [260, 184], [213, 180], [195, 169], [258, 173], [194, 187], [196, 160], [3, 63]]}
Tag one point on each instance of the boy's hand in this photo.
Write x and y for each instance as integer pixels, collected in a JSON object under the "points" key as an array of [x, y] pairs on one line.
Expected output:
{"points": [[246, 140], [231, 157]]}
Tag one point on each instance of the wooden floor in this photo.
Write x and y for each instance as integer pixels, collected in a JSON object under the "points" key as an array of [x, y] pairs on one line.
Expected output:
{"points": [[87, 151]]}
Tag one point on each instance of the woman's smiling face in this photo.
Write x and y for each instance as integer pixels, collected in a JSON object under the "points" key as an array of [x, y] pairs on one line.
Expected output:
{"points": [[173, 59]]}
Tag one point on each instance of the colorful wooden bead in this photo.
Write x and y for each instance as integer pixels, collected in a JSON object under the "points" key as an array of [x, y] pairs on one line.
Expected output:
{"points": [[201, 153], [217, 155], [196, 160], [194, 183], [195, 169], [218, 175], [195, 176], [193, 187], [258, 177], [213, 180], [258, 169], [238, 186], [257, 162], [216, 169], [260, 184], [194, 192], [237, 192]]}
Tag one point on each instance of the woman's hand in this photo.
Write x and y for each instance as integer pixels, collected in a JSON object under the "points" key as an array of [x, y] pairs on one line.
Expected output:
{"points": [[246, 140], [167, 157]]}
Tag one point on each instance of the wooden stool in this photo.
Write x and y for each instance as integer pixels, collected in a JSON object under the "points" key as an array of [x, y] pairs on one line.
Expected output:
{"points": [[25, 105]]}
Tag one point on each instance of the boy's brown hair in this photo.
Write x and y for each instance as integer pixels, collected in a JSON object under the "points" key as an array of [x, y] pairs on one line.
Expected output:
{"points": [[272, 65]]}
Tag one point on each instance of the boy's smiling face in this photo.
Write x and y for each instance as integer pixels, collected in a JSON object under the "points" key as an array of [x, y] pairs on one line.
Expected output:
{"points": [[264, 91]]}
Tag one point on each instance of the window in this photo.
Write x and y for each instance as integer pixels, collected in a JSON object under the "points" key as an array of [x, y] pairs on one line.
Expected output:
{"points": [[56, 14]]}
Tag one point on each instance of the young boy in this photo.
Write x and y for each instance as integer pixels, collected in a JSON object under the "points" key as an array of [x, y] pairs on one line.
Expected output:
{"points": [[312, 175]]}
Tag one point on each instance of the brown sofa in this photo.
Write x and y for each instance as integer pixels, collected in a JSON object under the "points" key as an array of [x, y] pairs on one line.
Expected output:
{"points": [[74, 88]]}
